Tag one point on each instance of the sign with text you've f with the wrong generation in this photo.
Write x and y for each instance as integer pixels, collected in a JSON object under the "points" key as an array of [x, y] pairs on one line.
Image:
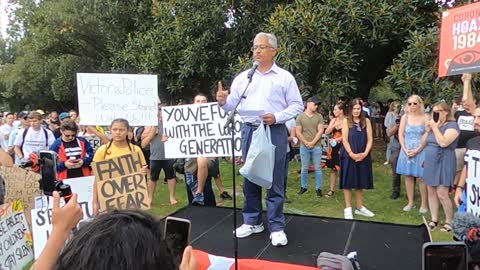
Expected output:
{"points": [[105, 97], [199, 130], [460, 41]]}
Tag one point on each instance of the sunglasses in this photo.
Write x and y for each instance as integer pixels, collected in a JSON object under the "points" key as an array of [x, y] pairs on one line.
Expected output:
{"points": [[412, 103]]}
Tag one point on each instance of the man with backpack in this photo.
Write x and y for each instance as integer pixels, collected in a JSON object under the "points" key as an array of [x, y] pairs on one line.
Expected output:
{"points": [[33, 138]]}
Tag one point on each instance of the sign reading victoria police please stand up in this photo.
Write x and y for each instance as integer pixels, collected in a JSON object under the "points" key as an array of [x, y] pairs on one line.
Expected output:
{"points": [[105, 97], [198, 130]]}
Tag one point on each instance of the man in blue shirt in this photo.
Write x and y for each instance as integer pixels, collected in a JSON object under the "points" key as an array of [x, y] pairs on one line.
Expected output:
{"points": [[274, 91]]}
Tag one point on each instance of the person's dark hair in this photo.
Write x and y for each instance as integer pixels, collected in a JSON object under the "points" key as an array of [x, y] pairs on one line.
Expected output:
{"points": [[341, 106], [69, 125], [199, 95], [353, 102], [121, 239], [457, 100]]}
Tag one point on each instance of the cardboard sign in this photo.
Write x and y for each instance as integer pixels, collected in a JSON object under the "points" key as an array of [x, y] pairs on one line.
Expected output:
{"points": [[21, 184], [105, 97], [15, 238], [42, 217], [120, 185], [472, 158], [199, 130], [460, 41]]}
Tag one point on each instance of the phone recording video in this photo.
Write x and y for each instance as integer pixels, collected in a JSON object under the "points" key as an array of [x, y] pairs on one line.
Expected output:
{"points": [[177, 234], [436, 116], [445, 256], [48, 167]]}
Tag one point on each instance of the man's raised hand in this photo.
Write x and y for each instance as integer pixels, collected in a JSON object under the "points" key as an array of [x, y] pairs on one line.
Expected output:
{"points": [[221, 94]]}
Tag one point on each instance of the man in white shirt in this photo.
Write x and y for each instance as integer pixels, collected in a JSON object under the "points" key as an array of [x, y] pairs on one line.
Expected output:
{"points": [[274, 91], [5, 130], [34, 138]]}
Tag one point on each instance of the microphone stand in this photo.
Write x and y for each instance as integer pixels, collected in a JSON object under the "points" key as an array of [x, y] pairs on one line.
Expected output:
{"points": [[230, 124]]}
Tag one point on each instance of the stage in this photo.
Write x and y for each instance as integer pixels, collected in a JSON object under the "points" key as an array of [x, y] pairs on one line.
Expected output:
{"points": [[379, 246]]}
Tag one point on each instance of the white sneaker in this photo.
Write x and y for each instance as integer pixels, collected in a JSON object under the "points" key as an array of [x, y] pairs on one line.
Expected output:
{"points": [[364, 212], [408, 208], [246, 230], [279, 239], [423, 210], [347, 213]]}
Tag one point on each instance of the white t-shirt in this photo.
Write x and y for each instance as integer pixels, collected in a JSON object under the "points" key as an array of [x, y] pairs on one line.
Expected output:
{"points": [[4, 130], [34, 140], [291, 124]]}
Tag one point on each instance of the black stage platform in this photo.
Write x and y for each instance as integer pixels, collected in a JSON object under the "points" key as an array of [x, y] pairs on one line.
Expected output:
{"points": [[379, 246]]}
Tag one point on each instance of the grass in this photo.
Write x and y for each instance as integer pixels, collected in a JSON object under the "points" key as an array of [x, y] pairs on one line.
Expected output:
{"points": [[377, 200]]}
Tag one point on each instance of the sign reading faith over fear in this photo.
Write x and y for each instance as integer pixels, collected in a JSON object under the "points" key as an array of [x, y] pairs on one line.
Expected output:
{"points": [[15, 238], [120, 184], [472, 158], [460, 41], [199, 130], [105, 97]]}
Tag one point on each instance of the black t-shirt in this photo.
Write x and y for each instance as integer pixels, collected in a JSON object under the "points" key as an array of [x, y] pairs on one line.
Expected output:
{"points": [[466, 126], [73, 151]]}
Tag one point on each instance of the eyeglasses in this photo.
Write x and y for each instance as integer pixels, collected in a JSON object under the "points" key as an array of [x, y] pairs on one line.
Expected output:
{"points": [[412, 103], [261, 47]]}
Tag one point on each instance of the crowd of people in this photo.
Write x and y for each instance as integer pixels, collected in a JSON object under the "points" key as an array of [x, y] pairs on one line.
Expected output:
{"points": [[427, 148]]}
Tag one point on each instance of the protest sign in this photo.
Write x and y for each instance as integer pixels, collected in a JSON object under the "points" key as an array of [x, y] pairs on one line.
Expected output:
{"points": [[104, 97], [15, 238], [21, 184], [472, 159], [120, 185], [94, 141], [42, 217], [460, 41], [199, 130]]}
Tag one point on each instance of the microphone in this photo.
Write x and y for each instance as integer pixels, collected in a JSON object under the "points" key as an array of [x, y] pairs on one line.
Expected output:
{"points": [[252, 71]]}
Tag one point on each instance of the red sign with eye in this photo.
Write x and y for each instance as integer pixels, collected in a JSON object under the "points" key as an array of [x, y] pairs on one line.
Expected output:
{"points": [[460, 41]]}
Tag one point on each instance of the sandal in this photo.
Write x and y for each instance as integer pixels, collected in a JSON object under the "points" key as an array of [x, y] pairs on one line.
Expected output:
{"points": [[330, 194], [446, 227], [432, 224]]}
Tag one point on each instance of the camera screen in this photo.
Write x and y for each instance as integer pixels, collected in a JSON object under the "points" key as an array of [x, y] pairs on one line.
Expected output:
{"points": [[176, 235], [48, 173], [445, 257]]}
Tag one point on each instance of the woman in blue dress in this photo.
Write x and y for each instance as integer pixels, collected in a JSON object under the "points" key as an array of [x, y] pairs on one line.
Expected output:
{"points": [[440, 162], [355, 160], [411, 157]]}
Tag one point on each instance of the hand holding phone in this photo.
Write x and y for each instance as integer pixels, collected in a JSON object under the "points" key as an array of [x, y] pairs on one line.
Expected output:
{"points": [[177, 235], [445, 256]]}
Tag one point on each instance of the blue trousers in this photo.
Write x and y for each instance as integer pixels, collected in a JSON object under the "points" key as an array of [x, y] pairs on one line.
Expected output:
{"points": [[191, 185], [252, 204]]}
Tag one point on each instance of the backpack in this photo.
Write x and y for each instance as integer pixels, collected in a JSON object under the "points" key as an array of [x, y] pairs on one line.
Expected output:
{"points": [[25, 131], [138, 136]]}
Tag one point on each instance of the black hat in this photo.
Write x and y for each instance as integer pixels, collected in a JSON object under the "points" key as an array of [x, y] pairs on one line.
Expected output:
{"points": [[23, 114], [313, 99]]}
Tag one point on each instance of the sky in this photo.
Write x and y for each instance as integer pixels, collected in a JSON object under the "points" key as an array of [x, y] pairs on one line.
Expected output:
{"points": [[3, 17]]}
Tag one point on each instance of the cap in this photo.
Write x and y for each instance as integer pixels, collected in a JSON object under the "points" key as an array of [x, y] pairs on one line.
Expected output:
{"points": [[313, 99], [23, 114], [40, 112], [63, 115]]}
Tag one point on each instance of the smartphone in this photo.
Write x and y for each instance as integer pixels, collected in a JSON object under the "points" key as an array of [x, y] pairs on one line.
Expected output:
{"points": [[177, 235], [436, 116], [445, 256], [48, 168]]}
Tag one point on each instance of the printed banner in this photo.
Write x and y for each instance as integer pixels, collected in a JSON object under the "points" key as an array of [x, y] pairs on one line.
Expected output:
{"points": [[472, 158], [104, 97], [199, 130], [42, 217], [120, 185], [23, 185], [460, 41], [15, 238]]}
